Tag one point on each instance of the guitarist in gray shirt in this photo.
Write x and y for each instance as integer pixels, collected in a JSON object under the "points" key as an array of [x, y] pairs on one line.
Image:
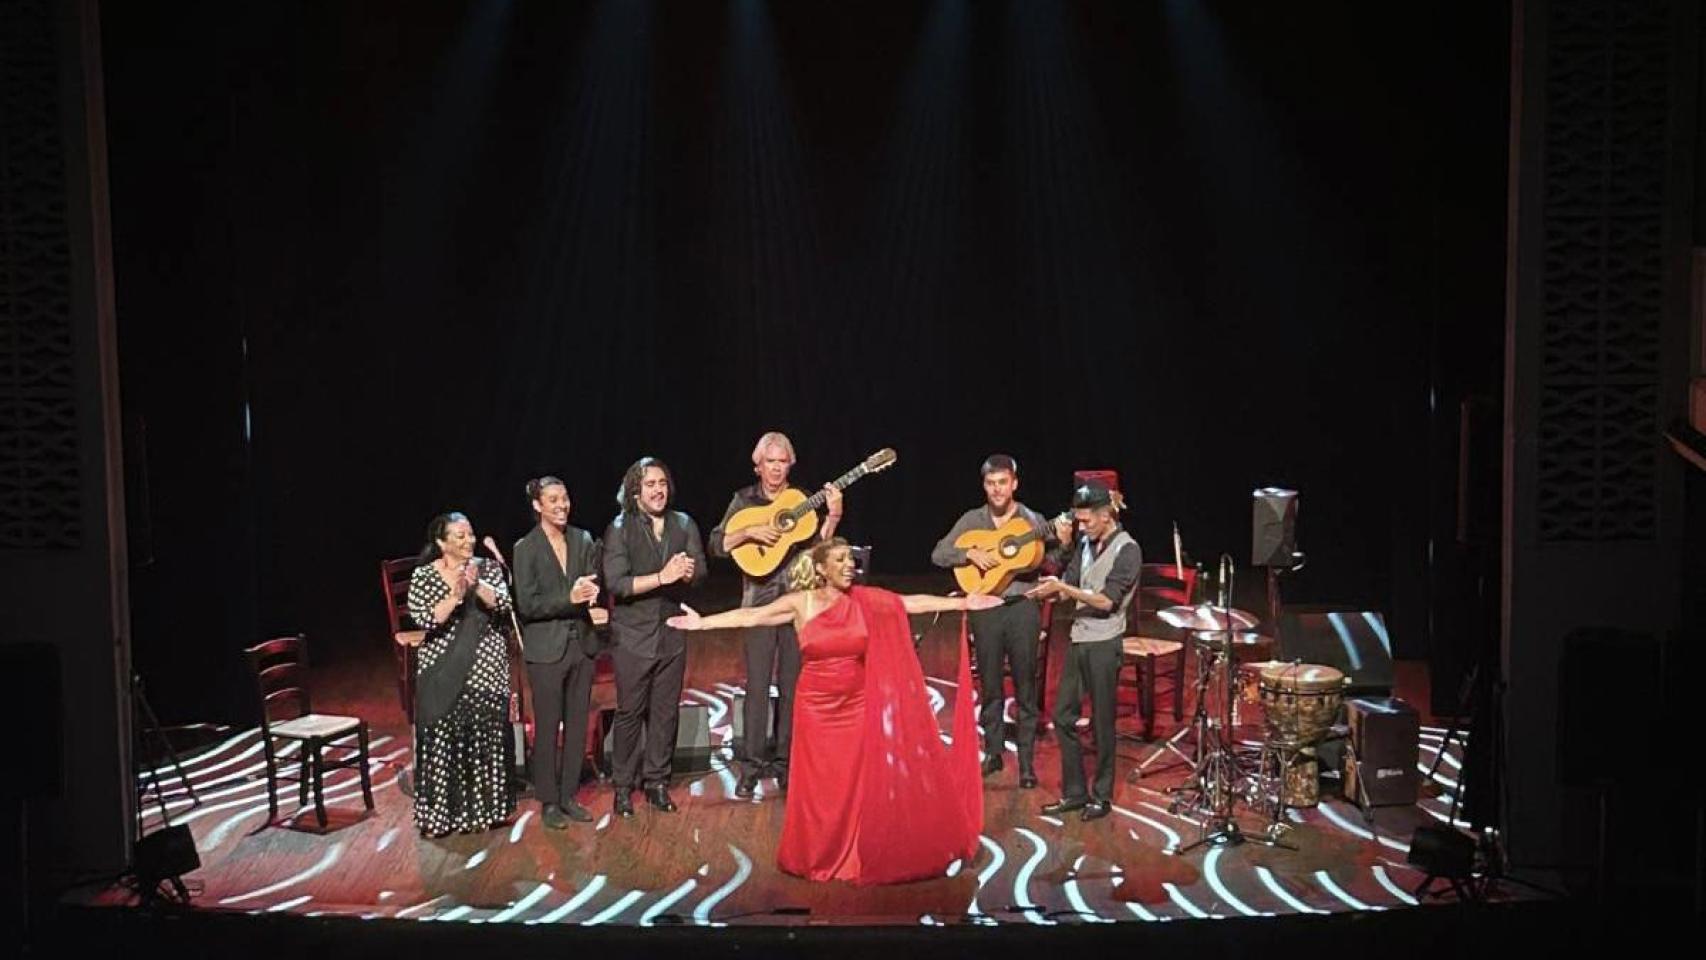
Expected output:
{"points": [[1009, 631]]}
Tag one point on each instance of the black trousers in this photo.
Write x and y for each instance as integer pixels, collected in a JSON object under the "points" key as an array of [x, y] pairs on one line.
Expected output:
{"points": [[1008, 633], [562, 697], [769, 651], [648, 698], [1093, 668]]}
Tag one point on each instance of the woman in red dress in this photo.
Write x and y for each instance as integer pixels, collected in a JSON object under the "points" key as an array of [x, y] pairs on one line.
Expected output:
{"points": [[874, 795]]}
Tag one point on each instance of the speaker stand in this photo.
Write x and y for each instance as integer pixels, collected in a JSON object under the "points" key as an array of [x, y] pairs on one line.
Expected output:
{"points": [[144, 723]]}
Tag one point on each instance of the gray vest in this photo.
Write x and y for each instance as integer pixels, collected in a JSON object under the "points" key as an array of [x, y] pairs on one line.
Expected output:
{"points": [[1092, 577]]}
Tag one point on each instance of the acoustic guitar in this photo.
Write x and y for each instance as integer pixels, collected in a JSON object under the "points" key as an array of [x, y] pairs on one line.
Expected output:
{"points": [[1017, 547], [795, 515]]}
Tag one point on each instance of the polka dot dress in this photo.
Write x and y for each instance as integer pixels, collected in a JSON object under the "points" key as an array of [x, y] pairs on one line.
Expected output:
{"points": [[462, 760]]}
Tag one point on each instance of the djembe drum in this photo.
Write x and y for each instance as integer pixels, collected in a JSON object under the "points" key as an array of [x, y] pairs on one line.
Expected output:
{"points": [[1300, 701]]}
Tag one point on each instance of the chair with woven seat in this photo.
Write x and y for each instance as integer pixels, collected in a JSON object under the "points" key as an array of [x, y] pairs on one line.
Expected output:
{"points": [[1153, 645], [281, 679]]}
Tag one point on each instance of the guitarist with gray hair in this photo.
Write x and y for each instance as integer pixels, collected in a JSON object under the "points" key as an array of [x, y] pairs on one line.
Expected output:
{"points": [[769, 650]]}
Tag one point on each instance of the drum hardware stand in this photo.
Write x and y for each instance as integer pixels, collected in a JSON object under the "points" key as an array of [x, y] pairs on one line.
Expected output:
{"points": [[1216, 780], [1198, 728], [1282, 754], [1217, 770]]}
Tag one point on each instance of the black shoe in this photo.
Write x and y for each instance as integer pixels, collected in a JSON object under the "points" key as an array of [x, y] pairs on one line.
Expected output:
{"points": [[624, 805], [748, 783], [658, 795], [992, 764], [1065, 805], [553, 817], [574, 811], [1095, 810], [779, 770], [1027, 780]]}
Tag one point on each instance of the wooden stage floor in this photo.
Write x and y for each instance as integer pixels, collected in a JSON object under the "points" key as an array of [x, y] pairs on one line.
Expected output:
{"points": [[713, 862]]}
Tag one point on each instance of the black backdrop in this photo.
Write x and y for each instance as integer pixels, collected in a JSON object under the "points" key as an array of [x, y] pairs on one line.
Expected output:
{"points": [[380, 260]]}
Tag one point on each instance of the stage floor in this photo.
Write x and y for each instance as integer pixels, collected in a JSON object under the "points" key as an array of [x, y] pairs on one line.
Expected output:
{"points": [[713, 862]]}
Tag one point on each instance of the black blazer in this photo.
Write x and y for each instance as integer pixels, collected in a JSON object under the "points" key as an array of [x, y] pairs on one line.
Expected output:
{"points": [[637, 622], [550, 624]]}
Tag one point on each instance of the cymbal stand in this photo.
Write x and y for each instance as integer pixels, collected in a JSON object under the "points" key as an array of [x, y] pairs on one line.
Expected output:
{"points": [[1218, 773], [1197, 729]]}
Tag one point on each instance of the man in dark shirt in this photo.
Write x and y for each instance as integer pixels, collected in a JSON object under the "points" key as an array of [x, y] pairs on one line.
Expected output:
{"points": [[556, 585], [652, 555], [1102, 568], [1009, 631], [769, 650]]}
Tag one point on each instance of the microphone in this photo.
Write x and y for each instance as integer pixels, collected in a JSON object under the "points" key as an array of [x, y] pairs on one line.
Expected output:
{"points": [[492, 546]]}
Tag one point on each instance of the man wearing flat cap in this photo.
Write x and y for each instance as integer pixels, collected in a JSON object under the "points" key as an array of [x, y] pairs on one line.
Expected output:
{"points": [[1102, 565]]}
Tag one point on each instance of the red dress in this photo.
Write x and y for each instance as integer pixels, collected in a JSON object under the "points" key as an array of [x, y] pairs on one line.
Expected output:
{"points": [[874, 796]]}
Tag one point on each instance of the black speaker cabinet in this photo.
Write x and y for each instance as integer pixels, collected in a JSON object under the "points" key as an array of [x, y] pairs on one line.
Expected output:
{"points": [[1385, 732], [1273, 527], [692, 738]]}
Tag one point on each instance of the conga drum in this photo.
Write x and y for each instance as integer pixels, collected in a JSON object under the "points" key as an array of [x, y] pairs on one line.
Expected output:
{"points": [[1300, 702]]}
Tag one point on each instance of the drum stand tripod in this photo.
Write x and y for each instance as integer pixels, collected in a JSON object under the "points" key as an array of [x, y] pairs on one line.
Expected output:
{"points": [[1197, 729], [1219, 774]]}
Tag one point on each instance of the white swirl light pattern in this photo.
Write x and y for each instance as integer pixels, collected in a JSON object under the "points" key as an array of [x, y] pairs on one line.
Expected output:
{"points": [[236, 874]]}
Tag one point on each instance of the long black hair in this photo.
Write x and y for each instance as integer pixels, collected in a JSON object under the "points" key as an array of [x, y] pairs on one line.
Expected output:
{"points": [[628, 495], [436, 531]]}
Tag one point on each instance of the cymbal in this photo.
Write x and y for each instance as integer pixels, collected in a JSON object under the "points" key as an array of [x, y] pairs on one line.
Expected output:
{"points": [[1250, 638], [1205, 617]]}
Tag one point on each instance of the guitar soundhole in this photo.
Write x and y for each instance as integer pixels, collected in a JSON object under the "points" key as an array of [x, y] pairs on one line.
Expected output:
{"points": [[1008, 551], [785, 523]]}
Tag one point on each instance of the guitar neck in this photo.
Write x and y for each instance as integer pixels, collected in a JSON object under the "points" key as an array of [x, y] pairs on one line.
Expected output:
{"points": [[816, 500]]}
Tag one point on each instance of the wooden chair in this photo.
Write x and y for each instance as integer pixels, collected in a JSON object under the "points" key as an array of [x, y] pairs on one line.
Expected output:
{"points": [[1153, 648], [281, 678], [405, 639]]}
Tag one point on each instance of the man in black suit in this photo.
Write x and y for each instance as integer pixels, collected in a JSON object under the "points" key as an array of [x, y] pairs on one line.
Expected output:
{"points": [[652, 556], [556, 574]]}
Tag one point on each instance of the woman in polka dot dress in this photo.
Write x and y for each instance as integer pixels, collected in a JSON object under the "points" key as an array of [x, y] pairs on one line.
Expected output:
{"points": [[462, 685]]}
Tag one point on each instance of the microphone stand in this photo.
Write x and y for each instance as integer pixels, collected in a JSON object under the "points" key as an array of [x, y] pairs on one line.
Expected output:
{"points": [[519, 700], [1275, 605]]}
